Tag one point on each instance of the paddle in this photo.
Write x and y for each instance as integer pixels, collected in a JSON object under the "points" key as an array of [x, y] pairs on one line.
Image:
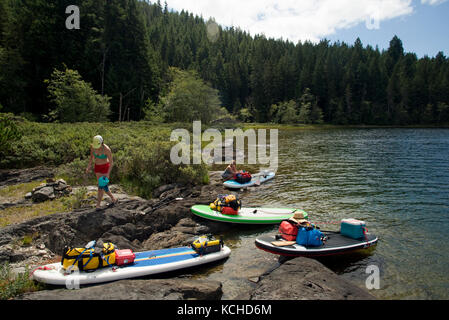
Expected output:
{"points": [[268, 212]]}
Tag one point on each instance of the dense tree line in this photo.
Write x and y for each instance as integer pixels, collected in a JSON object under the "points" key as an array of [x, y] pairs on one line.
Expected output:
{"points": [[125, 48]]}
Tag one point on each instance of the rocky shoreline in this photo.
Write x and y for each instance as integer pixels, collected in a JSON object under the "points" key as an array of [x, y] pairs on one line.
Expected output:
{"points": [[162, 222]]}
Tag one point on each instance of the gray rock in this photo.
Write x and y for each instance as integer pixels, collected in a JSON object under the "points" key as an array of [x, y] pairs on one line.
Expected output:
{"points": [[9, 177], [153, 289], [306, 279], [16, 271], [162, 189], [42, 185], [20, 202], [60, 185], [17, 256], [43, 194], [5, 254]]}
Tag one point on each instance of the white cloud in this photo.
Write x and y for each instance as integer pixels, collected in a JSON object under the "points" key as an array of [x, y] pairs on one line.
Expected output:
{"points": [[433, 2], [295, 19]]}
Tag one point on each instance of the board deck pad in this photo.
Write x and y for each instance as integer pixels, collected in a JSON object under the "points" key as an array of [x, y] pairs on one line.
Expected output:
{"points": [[248, 215], [256, 180], [155, 257], [283, 243]]}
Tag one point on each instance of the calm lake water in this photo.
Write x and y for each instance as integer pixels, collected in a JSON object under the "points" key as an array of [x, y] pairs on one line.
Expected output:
{"points": [[397, 180]]}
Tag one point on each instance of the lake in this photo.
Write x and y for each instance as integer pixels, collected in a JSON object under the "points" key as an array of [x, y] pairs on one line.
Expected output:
{"points": [[395, 179]]}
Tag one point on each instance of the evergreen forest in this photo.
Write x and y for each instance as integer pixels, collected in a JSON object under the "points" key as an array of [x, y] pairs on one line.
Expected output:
{"points": [[133, 60]]}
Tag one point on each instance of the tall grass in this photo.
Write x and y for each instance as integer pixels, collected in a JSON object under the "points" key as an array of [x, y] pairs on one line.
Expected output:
{"points": [[141, 153]]}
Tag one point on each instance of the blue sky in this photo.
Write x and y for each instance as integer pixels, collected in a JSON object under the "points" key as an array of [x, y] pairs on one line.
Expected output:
{"points": [[422, 25], [424, 32]]}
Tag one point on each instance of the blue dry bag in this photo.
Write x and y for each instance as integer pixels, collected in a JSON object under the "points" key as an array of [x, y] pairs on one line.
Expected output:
{"points": [[309, 237], [315, 238], [302, 237], [103, 183]]}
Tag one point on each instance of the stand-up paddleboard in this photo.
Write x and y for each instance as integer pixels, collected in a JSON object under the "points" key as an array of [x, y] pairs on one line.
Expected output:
{"points": [[255, 180], [145, 263], [335, 244], [248, 215]]}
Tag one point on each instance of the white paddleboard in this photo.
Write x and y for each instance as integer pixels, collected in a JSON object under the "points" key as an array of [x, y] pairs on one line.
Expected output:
{"points": [[256, 180], [145, 263]]}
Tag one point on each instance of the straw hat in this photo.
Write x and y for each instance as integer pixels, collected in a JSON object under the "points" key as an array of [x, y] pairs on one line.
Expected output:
{"points": [[298, 217]]}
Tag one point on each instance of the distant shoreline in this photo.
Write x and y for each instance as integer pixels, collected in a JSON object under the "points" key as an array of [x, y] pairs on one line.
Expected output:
{"points": [[336, 126]]}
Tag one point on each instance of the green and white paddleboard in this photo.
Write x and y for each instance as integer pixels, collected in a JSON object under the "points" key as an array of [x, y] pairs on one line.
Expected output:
{"points": [[248, 215]]}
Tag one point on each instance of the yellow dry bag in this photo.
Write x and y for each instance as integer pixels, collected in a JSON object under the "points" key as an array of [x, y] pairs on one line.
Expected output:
{"points": [[86, 259]]}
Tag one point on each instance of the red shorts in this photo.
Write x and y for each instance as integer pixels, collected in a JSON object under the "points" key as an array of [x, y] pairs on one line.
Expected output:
{"points": [[102, 168]]}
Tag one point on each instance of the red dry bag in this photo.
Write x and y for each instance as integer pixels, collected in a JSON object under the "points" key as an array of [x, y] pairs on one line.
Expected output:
{"points": [[288, 230], [229, 211]]}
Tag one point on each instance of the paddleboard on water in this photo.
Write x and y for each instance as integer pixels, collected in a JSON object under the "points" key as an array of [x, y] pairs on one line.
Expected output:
{"points": [[257, 179], [248, 215], [336, 244], [145, 263]]}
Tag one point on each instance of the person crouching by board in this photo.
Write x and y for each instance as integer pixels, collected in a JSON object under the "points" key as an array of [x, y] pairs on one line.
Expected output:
{"points": [[102, 156], [230, 171]]}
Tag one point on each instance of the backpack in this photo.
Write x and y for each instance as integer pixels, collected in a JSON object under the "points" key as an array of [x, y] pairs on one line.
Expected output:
{"points": [[243, 177]]}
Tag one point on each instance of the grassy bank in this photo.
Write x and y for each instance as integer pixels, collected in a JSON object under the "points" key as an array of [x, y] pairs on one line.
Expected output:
{"points": [[141, 153], [20, 213]]}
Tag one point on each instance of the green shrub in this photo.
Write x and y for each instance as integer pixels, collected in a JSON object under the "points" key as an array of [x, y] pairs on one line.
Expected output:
{"points": [[9, 133], [74, 99], [188, 98], [12, 285], [26, 241], [284, 112], [148, 166], [77, 200]]}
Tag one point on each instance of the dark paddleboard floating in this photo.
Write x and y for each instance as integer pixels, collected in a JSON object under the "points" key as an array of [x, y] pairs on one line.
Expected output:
{"points": [[335, 244]]}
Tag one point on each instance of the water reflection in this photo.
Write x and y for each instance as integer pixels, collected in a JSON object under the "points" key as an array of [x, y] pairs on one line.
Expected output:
{"points": [[397, 180]]}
